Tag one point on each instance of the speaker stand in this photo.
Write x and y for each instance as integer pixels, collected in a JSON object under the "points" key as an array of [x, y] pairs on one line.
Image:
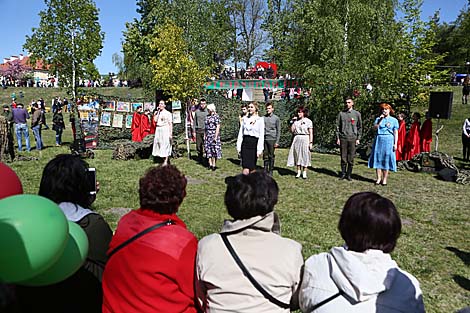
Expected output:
{"points": [[437, 132]]}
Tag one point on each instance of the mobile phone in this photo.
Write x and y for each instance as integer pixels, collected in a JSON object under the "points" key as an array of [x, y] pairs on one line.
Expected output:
{"points": [[91, 180]]}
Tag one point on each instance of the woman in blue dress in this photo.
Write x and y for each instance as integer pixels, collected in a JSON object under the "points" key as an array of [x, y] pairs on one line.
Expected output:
{"points": [[212, 146], [383, 157]]}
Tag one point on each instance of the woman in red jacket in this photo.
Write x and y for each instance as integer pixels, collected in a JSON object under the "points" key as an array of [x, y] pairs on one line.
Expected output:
{"points": [[154, 272]]}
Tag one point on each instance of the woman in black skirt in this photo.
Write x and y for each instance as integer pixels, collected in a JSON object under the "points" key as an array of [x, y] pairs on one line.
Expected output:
{"points": [[250, 143]]}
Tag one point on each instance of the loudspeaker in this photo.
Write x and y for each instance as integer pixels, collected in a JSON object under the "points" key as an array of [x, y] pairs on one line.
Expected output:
{"points": [[440, 104]]}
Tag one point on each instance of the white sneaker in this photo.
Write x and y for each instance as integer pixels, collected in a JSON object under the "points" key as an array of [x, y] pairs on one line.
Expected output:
{"points": [[304, 175], [298, 175]]}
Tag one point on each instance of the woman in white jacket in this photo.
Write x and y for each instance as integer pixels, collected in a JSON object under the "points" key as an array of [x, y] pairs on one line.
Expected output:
{"points": [[361, 276]]}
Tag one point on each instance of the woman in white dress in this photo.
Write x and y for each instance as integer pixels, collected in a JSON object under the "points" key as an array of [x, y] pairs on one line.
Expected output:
{"points": [[163, 133], [299, 153]]}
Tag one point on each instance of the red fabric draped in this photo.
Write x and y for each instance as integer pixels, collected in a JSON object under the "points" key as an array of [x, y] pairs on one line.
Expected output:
{"points": [[401, 141], [135, 127], [426, 136], [145, 126], [412, 142]]}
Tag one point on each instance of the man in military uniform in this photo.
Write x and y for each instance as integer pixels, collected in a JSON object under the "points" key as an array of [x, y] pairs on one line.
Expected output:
{"points": [[199, 129], [348, 134], [9, 143], [272, 133]]}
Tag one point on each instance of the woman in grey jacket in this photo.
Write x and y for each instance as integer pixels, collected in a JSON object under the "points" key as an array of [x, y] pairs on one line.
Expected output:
{"points": [[361, 276]]}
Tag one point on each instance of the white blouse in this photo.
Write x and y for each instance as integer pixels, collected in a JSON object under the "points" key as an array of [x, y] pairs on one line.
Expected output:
{"points": [[252, 126], [466, 127]]}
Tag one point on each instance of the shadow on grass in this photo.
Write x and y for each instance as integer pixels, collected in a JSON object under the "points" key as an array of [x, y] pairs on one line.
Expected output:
{"points": [[235, 161], [464, 256], [284, 171], [462, 282]]}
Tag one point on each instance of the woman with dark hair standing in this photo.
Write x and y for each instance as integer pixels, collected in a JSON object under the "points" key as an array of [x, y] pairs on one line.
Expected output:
{"points": [[299, 153], [361, 276], [65, 181], [254, 235], [152, 254], [250, 142], [383, 157]]}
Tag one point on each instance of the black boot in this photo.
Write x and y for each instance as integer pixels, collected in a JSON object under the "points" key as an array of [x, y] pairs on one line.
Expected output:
{"points": [[271, 167], [348, 174], [266, 166], [343, 171]]}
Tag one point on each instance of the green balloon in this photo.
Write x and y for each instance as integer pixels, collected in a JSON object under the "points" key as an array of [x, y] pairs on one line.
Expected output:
{"points": [[70, 261], [33, 235]]}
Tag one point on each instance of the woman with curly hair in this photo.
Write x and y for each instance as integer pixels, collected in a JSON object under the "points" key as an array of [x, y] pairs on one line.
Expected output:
{"points": [[152, 254]]}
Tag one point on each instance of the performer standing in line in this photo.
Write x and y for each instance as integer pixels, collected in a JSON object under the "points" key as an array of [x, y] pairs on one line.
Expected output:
{"points": [[250, 142], [199, 129], [136, 123], [348, 134], [401, 137], [163, 133], [466, 139], [382, 157], [145, 124], [413, 142], [272, 134], [299, 153], [212, 144], [426, 133]]}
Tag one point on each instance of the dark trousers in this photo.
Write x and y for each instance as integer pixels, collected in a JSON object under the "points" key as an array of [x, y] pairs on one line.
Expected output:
{"points": [[466, 147], [348, 151], [268, 152], [200, 143]]}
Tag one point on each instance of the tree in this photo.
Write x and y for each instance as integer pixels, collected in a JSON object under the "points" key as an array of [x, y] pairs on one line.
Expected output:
{"points": [[15, 70], [174, 69], [248, 18], [205, 24], [68, 39]]}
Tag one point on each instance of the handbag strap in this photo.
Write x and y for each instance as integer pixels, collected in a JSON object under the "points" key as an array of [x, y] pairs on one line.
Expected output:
{"points": [[140, 234], [251, 278], [322, 303]]}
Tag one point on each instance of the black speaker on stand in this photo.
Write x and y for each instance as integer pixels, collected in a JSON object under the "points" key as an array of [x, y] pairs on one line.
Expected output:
{"points": [[440, 106]]}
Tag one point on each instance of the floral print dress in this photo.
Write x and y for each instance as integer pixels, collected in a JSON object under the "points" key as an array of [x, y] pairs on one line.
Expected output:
{"points": [[212, 146]]}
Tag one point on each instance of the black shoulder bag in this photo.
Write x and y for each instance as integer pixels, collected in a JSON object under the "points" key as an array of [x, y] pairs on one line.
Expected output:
{"points": [[260, 288], [140, 234]]}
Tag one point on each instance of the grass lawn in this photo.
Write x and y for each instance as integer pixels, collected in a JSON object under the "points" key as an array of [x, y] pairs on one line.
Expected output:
{"points": [[434, 245]]}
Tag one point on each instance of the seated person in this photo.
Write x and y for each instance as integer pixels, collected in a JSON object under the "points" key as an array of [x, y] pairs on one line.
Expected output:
{"points": [[64, 181], [273, 261], [152, 254], [361, 276]]}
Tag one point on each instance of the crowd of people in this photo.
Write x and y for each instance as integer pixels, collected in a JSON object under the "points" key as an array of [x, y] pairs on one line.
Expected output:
{"points": [[154, 263]]}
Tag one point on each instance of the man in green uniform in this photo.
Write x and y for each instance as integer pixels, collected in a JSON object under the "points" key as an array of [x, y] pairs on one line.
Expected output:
{"points": [[348, 134]]}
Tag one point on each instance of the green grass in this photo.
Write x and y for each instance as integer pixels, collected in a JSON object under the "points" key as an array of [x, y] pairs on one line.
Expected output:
{"points": [[434, 245]]}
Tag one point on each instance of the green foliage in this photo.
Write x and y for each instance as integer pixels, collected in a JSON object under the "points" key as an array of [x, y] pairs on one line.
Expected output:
{"points": [[174, 69], [68, 39], [433, 245], [206, 27]]}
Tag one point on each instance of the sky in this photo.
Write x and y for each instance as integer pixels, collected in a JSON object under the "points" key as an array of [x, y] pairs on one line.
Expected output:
{"points": [[20, 16]]}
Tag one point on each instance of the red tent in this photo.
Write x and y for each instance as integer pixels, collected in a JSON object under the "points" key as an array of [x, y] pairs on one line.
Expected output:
{"points": [[266, 65]]}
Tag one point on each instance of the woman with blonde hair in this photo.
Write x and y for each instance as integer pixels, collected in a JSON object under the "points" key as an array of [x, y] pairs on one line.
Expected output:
{"points": [[250, 142], [383, 157], [212, 145]]}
